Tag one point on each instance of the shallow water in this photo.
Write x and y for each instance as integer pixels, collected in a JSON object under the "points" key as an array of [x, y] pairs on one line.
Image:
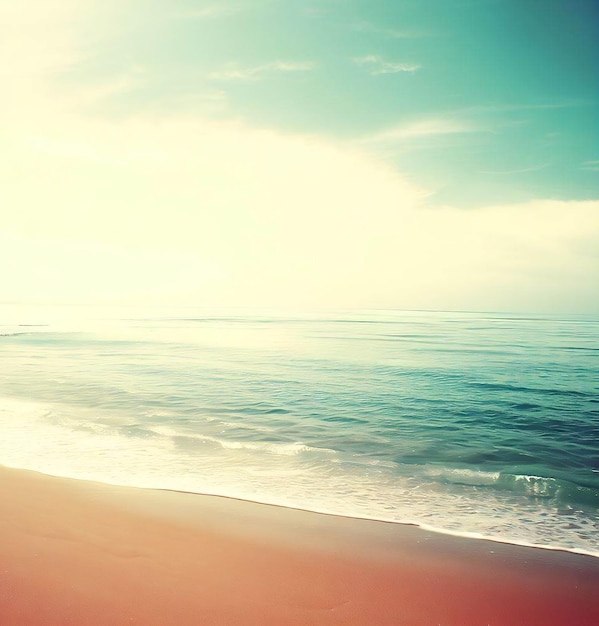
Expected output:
{"points": [[473, 423]]}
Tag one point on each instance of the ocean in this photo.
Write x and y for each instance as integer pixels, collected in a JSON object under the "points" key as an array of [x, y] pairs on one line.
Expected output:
{"points": [[478, 424]]}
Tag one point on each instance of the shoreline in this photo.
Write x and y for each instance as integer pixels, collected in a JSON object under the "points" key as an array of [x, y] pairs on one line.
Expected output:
{"points": [[74, 551], [423, 526], [379, 520]]}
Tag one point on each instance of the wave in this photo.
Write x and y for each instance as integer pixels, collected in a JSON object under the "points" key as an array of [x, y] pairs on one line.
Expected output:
{"points": [[462, 476], [191, 441], [558, 490], [539, 390], [579, 348], [527, 406], [261, 408], [293, 473]]}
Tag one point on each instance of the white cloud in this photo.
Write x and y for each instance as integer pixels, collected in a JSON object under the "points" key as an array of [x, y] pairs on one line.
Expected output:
{"points": [[89, 271], [368, 27], [315, 11], [234, 72], [210, 11], [378, 66], [133, 79], [36, 40], [421, 129], [521, 170], [194, 210], [74, 149], [504, 107], [591, 166], [240, 216]]}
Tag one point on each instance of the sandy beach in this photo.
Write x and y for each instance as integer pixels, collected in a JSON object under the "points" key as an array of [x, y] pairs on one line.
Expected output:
{"points": [[76, 552]]}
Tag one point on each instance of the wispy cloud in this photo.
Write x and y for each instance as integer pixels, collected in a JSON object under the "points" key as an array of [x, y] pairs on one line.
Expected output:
{"points": [[94, 151], [368, 27], [135, 78], [506, 107], [378, 66], [423, 129], [200, 102], [233, 72], [523, 170], [209, 12], [590, 166], [315, 11]]}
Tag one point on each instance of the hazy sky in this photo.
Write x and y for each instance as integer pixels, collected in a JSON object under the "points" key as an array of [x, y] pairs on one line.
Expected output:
{"points": [[285, 153]]}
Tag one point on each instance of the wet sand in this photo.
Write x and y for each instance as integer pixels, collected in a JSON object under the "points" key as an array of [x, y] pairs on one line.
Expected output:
{"points": [[76, 552]]}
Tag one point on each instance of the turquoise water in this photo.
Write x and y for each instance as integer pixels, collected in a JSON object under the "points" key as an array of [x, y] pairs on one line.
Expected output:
{"points": [[472, 423]]}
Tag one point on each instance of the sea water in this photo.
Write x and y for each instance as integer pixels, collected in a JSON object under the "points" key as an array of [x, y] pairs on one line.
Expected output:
{"points": [[481, 424]]}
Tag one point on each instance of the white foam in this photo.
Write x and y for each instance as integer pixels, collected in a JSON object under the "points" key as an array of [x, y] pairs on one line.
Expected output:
{"points": [[283, 449], [464, 476], [41, 437]]}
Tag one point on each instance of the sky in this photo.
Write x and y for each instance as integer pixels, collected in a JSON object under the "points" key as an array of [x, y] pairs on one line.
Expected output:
{"points": [[409, 154]]}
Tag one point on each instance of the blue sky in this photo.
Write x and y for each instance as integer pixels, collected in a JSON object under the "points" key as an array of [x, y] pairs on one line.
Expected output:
{"points": [[411, 154], [509, 87]]}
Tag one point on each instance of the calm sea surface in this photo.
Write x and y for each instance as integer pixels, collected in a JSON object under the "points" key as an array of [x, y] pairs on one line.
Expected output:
{"points": [[472, 423]]}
